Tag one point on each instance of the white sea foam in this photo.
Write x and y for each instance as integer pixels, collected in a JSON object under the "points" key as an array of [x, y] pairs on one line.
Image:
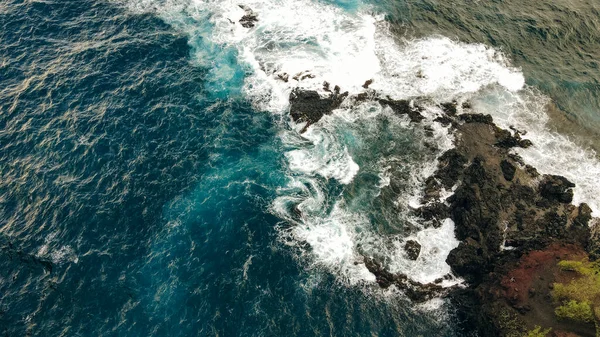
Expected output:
{"points": [[436, 244], [327, 157], [333, 241], [319, 42], [551, 153], [55, 252]]}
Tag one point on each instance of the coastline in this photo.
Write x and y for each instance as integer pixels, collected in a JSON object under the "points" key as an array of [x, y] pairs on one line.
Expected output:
{"points": [[513, 223]]}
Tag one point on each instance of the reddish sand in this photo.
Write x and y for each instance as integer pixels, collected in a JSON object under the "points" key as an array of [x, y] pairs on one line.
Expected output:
{"points": [[539, 265], [528, 288]]}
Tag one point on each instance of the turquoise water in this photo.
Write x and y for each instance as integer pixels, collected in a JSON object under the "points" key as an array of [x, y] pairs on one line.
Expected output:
{"points": [[152, 183]]}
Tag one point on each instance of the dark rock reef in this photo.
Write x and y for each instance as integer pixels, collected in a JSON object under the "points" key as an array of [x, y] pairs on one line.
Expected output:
{"points": [[250, 18], [503, 210], [506, 216], [412, 249], [307, 106]]}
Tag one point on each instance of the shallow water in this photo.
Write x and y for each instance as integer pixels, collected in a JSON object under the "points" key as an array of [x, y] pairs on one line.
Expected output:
{"points": [[153, 184]]}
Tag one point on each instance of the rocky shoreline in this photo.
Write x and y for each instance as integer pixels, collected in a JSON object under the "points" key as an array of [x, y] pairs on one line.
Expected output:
{"points": [[505, 212], [513, 223]]}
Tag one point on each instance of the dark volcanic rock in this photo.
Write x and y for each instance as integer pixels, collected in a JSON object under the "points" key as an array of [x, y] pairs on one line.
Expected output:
{"points": [[476, 118], [508, 169], [402, 107], [412, 249], [475, 208], [416, 291], [308, 106], [557, 188], [470, 319], [494, 206], [434, 211], [450, 166], [506, 140], [249, 19], [449, 108], [468, 260], [284, 77], [444, 120], [584, 215]]}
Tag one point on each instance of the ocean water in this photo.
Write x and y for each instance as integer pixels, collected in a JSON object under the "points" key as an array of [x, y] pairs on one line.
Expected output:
{"points": [[153, 184]]}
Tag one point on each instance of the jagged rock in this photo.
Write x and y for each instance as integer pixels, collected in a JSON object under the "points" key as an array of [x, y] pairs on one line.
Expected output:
{"points": [[250, 18], [594, 243], [525, 143], [506, 140], [434, 211], [402, 107], [584, 215], [494, 207], [367, 83], [516, 158], [449, 108], [508, 169], [432, 189], [557, 188], [475, 210], [284, 77], [416, 291], [444, 120], [308, 106], [468, 260], [554, 224], [532, 171], [476, 118], [412, 249], [450, 167]]}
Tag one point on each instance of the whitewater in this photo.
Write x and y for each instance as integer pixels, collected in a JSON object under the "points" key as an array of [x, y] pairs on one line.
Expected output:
{"points": [[337, 205]]}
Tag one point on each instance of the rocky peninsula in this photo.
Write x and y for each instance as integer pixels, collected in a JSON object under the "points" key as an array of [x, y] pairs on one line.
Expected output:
{"points": [[521, 238]]}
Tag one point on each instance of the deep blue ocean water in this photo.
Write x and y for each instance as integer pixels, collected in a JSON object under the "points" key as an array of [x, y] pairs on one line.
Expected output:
{"points": [[137, 187], [134, 202]]}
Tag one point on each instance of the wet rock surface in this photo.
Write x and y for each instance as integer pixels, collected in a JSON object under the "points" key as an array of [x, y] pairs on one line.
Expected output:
{"points": [[250, 18], [412, 249], [508, 169], [307, 106], [503, 210], [403, 107], [416, 291], [557, 188]]}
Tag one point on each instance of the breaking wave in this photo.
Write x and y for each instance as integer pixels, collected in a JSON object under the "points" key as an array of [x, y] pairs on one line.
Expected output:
{"points": [[355, 176]]}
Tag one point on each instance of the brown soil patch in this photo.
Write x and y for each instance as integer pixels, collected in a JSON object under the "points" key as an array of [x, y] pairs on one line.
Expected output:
{"points": [[528, 288]]}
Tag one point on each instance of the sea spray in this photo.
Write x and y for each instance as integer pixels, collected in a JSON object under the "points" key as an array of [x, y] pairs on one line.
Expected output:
{"points": [[303, 44]]}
